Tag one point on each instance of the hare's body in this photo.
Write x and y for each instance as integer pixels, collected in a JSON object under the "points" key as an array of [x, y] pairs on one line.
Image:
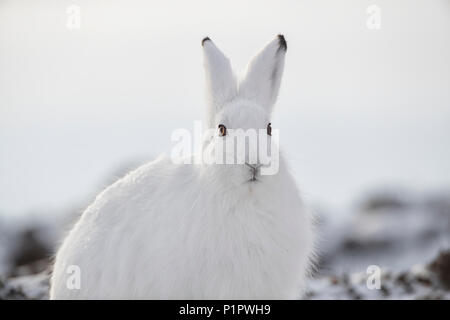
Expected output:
{"points": [[199, 231], [231, 244]]}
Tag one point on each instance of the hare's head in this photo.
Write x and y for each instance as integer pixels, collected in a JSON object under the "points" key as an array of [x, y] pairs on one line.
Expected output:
{"points": [[243, 107]]}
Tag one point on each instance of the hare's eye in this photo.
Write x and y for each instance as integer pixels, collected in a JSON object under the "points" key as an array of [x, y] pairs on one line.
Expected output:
{"points": [[269, 129], [222, 130]]}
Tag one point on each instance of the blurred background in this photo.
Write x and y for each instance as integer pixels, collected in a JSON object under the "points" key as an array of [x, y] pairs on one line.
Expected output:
{"points": [[90, 89]]}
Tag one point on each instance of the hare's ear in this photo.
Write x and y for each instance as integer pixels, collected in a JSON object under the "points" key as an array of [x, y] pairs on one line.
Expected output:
{"points": [[221, 84], [262, 79]]}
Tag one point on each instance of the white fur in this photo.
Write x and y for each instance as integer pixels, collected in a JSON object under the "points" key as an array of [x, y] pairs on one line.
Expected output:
{"points": [[174, 231]]}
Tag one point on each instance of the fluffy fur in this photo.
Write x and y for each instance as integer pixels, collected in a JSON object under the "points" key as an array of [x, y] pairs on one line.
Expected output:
{"points": [[201, 231]]}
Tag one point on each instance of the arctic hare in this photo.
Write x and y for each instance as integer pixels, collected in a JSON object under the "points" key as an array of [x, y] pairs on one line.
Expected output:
{"points": [[200, 231]]}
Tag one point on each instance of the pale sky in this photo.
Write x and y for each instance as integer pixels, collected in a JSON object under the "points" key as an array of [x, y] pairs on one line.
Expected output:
{"points": [[358, 108]]}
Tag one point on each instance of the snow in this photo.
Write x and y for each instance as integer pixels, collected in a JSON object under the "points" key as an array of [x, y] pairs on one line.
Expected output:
{"points": [[394, 285], [33, 287]]}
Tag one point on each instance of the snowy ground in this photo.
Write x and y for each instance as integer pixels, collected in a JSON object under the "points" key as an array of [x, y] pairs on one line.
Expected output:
{"points": [[406, 236], [418, 282], [430, 281]]}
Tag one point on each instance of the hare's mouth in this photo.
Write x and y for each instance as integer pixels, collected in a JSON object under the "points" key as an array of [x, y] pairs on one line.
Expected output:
{"points": [[254, 171]]}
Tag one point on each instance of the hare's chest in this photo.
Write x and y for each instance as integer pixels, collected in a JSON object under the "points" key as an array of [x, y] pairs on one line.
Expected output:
{"points": [[248, 250], [240, 238]]}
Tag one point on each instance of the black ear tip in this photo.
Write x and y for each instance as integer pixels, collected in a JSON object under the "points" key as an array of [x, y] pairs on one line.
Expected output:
{"points": [[282, 42], [205, 39]]}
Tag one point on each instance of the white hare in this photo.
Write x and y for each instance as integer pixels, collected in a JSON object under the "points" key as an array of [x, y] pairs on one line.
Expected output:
{"points": [[203, 231]]}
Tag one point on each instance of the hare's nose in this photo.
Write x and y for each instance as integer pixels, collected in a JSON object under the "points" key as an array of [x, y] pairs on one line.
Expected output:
{"points": [[254, 167]]}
